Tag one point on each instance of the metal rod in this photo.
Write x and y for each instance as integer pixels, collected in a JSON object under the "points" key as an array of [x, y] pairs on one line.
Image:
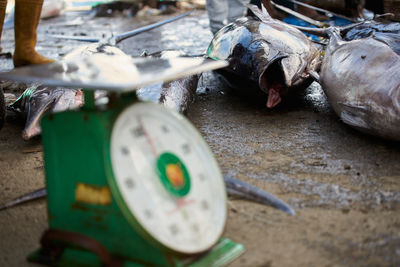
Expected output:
{"points": [[75, 38], [321, 10], [300, 16], [122, 36]]}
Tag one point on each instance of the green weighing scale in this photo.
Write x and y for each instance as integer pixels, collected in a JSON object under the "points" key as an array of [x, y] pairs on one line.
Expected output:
{"points": [[129, 183]]}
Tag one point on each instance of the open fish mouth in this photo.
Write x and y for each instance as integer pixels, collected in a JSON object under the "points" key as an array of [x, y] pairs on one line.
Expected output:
{"points": [[273, 81]]}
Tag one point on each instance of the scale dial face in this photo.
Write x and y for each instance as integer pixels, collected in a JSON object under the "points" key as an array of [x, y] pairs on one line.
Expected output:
{"points": [[168, 178]]}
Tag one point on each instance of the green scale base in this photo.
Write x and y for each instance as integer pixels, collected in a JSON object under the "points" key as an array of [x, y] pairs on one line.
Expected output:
{"points": [[224, 252]]}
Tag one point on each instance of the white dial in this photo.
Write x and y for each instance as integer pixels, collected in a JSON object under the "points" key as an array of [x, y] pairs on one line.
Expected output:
{"points": [[168, 178]]}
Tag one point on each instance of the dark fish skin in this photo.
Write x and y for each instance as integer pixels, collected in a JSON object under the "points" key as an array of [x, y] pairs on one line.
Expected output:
{"points": [[369, 27], [388, 33], [361, 79], [265, 54], [177, 95]]}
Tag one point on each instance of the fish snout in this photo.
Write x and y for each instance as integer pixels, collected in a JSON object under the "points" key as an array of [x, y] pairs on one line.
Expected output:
{"points": [[31, 131]]}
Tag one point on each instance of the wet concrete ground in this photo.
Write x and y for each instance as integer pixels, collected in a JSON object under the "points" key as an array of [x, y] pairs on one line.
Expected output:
{"points": [[344, 185]]}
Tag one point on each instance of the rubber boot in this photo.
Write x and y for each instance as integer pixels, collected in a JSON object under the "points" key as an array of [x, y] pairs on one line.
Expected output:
{"points": [[3, 5], [27, 15], [2, 108]]}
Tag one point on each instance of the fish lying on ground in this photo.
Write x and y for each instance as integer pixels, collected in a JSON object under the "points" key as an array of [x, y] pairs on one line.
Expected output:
{"points": [[233, 186], [178, 94], [265, 54], [38, 100], [361, 79]]}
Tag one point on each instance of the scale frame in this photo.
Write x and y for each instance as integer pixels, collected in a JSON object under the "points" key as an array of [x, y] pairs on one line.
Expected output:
{"points": [[72, 171], [88, 225]]}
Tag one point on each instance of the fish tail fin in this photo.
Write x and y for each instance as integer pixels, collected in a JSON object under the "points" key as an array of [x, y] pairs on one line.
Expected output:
{"points": [[354, 115], [256, 194], [261, 15], [335, 38], [315, 76]]}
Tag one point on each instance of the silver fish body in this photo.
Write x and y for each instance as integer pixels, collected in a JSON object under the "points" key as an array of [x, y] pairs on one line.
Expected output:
{"points": [[361, 79], [177, 95], [267, 53]]}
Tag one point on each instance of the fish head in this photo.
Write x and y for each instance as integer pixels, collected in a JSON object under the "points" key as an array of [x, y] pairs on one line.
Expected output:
{"points": [[44, 100], [227, 39], [272, 55], [282, 73]]}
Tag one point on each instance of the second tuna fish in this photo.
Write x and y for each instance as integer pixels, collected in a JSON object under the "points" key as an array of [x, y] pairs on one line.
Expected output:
{"points": [[265, 53]]}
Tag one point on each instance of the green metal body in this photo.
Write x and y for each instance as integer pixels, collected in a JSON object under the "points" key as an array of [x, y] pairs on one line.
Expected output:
{"points": [[76, 151]]}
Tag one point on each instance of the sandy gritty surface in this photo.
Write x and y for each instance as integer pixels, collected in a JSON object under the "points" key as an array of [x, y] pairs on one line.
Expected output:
{"points": [[343, 185]]}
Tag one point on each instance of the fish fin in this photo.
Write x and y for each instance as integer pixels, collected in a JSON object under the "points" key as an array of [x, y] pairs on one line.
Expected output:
{"points": [[145, 53], [21, 104], [251, 192], [335, 39], [354, 115], [36, 194], [314, 75], [263, 16]]}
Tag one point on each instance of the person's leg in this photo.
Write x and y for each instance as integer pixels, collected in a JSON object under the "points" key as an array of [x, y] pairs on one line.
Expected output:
{"points": [[3, 5], [217, 13], [27, 15], [237, 9], [256, 2]]}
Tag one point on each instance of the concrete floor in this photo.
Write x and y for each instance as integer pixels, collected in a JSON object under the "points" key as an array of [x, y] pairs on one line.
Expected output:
{"points": [[344, 185]]}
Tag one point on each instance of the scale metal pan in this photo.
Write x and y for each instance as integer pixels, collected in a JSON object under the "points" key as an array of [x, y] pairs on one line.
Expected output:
{"points": [[119, 73]]}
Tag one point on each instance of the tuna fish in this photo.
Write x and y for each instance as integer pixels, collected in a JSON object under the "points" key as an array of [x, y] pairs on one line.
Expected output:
{"points": [[39, 99], [361, 79], [265, 54]]}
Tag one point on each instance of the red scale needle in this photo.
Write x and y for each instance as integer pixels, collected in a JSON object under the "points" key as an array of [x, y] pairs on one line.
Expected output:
{"points": [[148, 138]]}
